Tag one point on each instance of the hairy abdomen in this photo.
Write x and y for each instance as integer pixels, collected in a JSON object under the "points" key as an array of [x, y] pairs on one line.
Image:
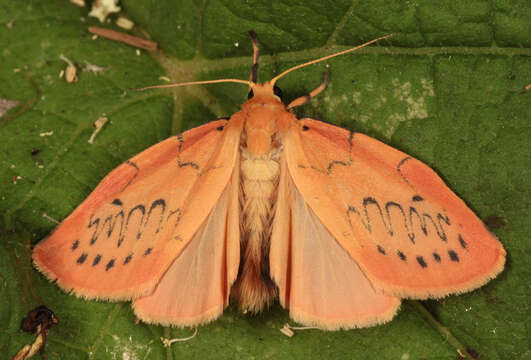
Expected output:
{"points": [[253, 288]]}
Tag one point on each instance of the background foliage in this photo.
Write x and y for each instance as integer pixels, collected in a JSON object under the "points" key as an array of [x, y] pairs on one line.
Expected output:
{"points": [[449, 90]]}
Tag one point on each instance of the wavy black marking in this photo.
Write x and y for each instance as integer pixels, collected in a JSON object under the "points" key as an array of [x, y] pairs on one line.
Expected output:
{"points": [[178, 214], [333, 163], [142, 210], [410, 218], [423, 223], [157, 203], [398, 168], [192, 164], [111, 228], [98, 229], [366, 220], [210, 168], [137, 169]]}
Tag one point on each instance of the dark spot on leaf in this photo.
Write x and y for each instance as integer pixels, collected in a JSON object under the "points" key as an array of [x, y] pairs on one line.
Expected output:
{"points": [[35, 151]]}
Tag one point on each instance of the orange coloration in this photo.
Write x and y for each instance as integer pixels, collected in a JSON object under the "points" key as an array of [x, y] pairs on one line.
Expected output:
{"points": [[338, 225]]}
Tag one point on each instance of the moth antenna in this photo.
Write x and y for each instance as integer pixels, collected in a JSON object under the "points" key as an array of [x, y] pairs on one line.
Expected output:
{"points": [[274, 80], [251, 84], [256, 53], [305, 98]]}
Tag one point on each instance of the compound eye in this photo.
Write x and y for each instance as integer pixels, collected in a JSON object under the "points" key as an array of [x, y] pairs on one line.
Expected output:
{"points": [[250, 95], [277, 92]]}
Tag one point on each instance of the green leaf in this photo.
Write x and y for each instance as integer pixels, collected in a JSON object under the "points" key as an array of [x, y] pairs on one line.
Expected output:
{"points": [[449, 89]]}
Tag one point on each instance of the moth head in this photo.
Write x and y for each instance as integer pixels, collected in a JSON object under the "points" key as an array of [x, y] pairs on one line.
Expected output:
{"points": [[265, 90]]}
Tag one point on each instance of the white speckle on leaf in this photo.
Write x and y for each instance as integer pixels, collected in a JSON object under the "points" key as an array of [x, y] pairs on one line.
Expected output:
{"points": [[356, 97], [102, 8], [6, 105], [128, 349], [416, 103], [405, 356]]}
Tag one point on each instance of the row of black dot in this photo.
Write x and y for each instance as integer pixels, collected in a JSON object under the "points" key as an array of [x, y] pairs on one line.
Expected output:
{"points": [[97, 259], [420, 259]]}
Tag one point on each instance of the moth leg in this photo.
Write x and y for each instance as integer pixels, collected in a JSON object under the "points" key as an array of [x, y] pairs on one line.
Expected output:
{"points": [[256, 52], [305, 98]]}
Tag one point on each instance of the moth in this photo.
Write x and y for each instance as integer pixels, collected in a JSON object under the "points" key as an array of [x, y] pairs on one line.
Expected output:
{"points": [[337, 225]]}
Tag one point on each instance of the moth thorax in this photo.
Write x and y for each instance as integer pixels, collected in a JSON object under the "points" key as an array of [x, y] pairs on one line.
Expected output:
{"points": [[254, 288]]}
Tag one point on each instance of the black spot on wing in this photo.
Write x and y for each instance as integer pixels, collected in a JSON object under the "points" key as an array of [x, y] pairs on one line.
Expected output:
{"points": [[109, 265], [462, 242], [418, 198], [437, 257], [117, 202], [422, 262], [401, 255], [453, 255], [128, 259], [148, 251], [97, 260], [75, 245], [80, 260], [381, 250]]}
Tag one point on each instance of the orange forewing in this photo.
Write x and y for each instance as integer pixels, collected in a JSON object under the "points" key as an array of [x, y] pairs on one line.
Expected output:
{"points": [[408, 232], [123, 237]]}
